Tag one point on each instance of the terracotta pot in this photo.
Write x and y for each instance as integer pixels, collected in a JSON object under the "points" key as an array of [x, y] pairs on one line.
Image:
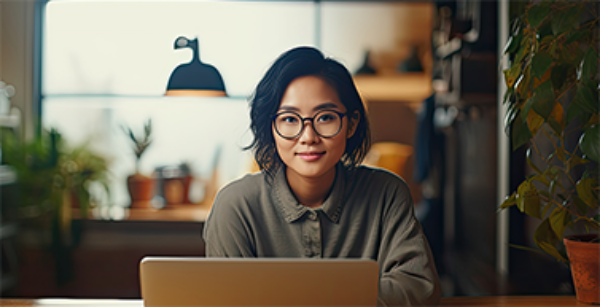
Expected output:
{"points": [[141, 190], [585, 266]]}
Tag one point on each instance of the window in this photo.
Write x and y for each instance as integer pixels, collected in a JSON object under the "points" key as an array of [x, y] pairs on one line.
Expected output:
{"points": [[106, 64]]}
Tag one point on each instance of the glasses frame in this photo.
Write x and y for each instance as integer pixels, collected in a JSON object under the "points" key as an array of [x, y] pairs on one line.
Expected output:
{"points": [[312, 123]]}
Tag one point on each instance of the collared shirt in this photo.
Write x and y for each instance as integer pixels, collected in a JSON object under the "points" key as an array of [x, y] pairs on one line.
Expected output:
{"points": [[367, 214]]}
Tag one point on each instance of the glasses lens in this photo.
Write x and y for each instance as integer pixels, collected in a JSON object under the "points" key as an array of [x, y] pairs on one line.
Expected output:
{"points": [[288, 125], [327, 123]]}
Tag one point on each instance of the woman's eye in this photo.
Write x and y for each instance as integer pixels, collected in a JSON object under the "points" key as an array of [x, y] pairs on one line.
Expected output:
{"points": [[289, 119], [325, 117]]}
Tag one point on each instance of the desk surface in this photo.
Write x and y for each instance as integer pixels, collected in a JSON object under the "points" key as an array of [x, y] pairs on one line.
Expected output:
{"points": [[487, 301]]}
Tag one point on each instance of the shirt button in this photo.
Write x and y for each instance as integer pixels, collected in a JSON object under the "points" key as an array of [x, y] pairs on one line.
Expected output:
{"points": [[312, 216]]}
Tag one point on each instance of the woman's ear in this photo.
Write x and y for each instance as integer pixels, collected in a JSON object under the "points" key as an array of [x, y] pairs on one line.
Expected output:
{"points": [[353, 121]]}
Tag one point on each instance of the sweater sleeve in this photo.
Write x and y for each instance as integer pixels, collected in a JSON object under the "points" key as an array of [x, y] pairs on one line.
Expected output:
{"points": [[226, 232], [408, 273]]}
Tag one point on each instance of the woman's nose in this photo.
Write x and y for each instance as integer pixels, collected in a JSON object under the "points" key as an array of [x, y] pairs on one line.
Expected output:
{"points": [[308, 134]]}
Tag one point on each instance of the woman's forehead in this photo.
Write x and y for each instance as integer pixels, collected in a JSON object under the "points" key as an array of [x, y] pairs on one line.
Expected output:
{"points": [[310, 93]]}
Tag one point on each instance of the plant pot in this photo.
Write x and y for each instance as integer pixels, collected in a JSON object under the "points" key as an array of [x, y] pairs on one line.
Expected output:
{"points": [[584, 257], [141, 190]]}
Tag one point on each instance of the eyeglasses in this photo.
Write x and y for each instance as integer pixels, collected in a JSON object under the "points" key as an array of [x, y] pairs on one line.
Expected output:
{"points": [[326, 123]]}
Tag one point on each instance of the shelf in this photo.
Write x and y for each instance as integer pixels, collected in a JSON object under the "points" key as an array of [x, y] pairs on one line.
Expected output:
{"points": [[10, 121], [411, 88]]}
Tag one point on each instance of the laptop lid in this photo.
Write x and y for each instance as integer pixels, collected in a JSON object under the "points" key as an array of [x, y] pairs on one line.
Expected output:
{"points": [[187, 281]]}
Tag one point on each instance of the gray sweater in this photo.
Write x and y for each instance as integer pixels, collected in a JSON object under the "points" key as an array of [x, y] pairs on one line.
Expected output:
{"points": [[368, 214]]}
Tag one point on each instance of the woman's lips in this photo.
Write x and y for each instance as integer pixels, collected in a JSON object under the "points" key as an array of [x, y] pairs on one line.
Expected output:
{"points": [[311, 155]]}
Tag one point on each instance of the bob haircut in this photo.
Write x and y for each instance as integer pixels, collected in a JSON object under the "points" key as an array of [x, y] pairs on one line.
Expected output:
{"points": [[265, 101]]}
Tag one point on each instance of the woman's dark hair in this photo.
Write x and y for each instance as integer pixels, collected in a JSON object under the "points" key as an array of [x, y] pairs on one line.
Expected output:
{"points": [[264, 103]]}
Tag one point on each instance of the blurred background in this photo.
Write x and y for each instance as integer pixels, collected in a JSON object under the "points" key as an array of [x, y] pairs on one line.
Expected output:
{"points": [[118, 162]]}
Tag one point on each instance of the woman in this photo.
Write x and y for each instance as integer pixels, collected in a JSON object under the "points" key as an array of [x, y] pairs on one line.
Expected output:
{"points": [[312, 198]]}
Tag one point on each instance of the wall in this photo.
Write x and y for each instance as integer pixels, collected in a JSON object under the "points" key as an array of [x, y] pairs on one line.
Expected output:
{"points": [[16, 56]]}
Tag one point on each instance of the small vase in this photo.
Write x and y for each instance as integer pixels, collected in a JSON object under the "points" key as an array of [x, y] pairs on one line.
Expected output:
{"points": [[584, 257], [141, 190]]}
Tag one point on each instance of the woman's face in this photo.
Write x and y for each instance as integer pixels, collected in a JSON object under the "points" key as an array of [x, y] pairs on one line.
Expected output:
{"points": [[310, 155]]}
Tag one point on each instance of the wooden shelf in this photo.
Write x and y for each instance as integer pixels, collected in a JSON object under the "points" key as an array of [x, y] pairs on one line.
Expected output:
{"points": [[407, 88]]}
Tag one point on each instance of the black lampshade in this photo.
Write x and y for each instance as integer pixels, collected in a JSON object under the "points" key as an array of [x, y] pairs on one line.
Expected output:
{"points": [[194, 78]]}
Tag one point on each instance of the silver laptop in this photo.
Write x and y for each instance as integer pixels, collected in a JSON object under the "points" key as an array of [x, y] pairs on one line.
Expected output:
{"points": [[180, 281]]}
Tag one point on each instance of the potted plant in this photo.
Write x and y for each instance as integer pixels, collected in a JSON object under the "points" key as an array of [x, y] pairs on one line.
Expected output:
{"points": [[53, 179], [552, 106], [140, 187]]}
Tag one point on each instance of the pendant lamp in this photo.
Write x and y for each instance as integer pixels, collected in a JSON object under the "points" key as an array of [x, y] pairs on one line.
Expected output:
{"points": [[194, 78]]}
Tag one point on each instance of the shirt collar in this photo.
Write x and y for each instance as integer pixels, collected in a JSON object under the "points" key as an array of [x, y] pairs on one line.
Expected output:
{"points": [[292, 210]]}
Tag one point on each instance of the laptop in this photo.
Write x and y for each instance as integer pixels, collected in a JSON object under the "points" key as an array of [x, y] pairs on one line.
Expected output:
{"points": [[190, 281]]}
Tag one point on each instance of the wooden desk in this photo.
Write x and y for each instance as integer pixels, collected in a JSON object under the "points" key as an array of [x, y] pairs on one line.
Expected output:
{"points": [[486, 301]]}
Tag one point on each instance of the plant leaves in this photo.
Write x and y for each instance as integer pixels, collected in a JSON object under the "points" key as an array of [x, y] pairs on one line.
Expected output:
{"points": [[534, 122], [546, 239], [509, 201], [537, 13], [530, 163], [571, 54], [511, 113], [520, 134], [586, 99], [513, 43], [540, 63], [589, 64], [575, 161], [560, 219], [511, 74], [579, 204], [564, 20], [560, 74], [528, 199], [590, 143], [576, 35], [585, 189], [543, 99], [556, 119]]}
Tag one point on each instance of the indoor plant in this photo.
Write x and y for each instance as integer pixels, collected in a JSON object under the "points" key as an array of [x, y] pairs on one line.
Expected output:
{"points": [[54, 178], [140, 187], [552, 106]]}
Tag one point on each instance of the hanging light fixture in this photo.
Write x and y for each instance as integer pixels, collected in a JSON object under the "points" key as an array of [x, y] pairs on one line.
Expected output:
{"points": [[194, 78]]}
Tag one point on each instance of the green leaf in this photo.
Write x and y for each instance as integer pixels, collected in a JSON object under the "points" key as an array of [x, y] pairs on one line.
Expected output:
{"points": [[534, 122], [585, 189], [528, 200], [589, 64], [579, 204], [540, 63], [576, 35], [586, 99], [556, 127], [511, 74], [546, 239], [571, 54], [560, 219], [513, 43], [537, 13], [575, 161], [564, 20], [520, 134], [511, 113], [559, 75], [541, 178], [543, 99], [509, 201], [590, 143]]}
